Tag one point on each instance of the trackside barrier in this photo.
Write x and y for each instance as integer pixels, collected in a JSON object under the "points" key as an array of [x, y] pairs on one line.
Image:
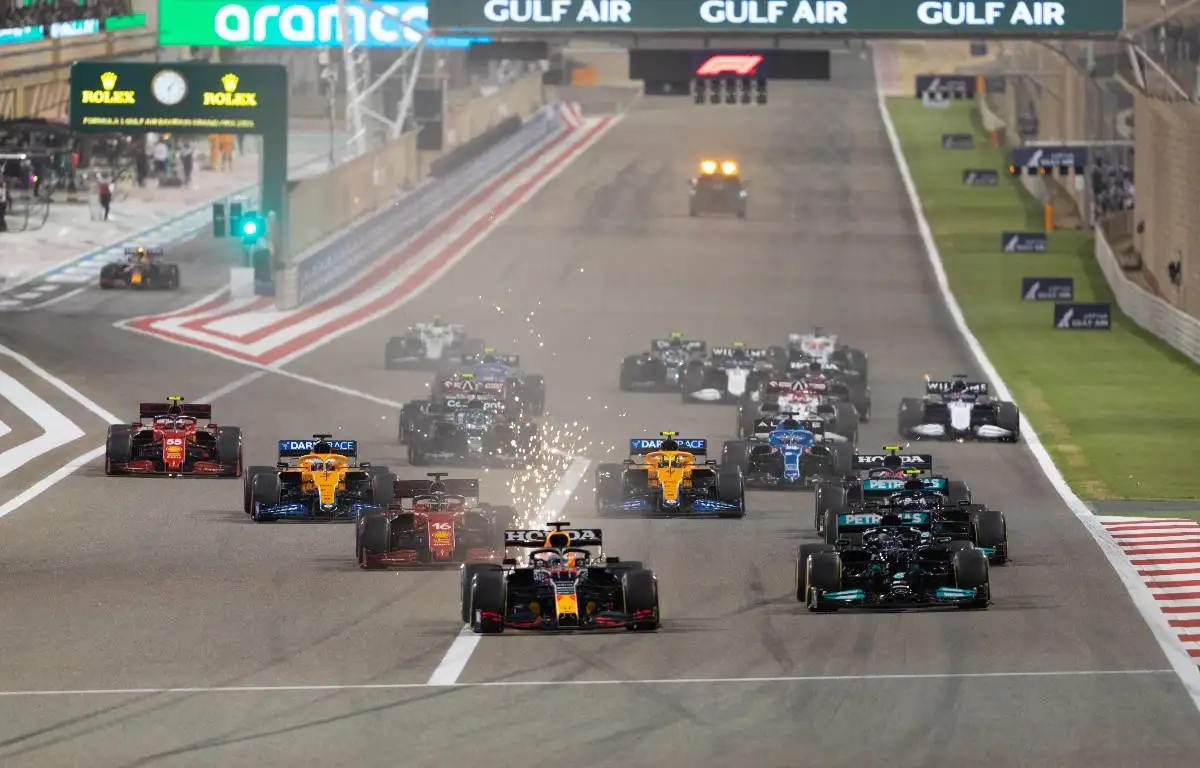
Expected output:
{"points": [[1157, 316], [333, 263]]}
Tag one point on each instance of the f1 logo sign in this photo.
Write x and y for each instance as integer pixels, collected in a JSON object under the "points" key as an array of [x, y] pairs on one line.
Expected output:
{"points": [[742, 64]]}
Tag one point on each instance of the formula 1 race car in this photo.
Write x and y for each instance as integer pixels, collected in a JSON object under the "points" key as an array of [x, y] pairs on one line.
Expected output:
{"points": [[524, 392], [789, 455], [141, 269], [828, 350], [444, 525], [433, 342], [316, 480], [728, 374], [717, 192], [452, 394], [473, 432], [661, 368], [893, 565], [778, 398], [561, 586], [959, 410], [173, 443], [669, 481]]}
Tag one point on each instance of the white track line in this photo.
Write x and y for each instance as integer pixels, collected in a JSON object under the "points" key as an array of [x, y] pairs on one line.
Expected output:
{"points": [[935, 676], [57, 429], [459, 653], [1165, 635]]}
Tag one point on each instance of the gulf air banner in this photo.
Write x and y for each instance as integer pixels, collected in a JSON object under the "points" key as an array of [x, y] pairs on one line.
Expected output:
{"points": [[977, 18]]}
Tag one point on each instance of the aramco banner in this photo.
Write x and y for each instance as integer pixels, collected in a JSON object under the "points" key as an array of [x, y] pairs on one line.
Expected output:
{"points": [[296, 24]]}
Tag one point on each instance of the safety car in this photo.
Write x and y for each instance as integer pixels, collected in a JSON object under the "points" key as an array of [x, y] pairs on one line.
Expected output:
{"points": [[718, 189], [432, 342], [173, 442], [958, 410], [670, 476], [660, 368], [563, 583], [316, 480]]}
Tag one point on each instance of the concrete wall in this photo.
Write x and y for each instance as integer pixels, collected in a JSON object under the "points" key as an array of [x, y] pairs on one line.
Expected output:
{"points": [[522, 98]]}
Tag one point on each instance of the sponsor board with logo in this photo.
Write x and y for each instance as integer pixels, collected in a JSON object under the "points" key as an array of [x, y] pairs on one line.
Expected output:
{"points": [[980, 177], [958, 141], [1048, 288], [1023, 242], [64, 30], [946, 86], [1071, 158], [1083, 317], [298, 24], [682, 65], [1027, 17]]}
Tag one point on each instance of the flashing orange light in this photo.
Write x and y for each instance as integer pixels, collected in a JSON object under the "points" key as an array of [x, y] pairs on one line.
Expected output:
{"points": [[708, 166]]}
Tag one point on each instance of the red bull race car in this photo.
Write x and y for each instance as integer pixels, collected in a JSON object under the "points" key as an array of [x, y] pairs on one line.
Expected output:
{"points": [[174, 443]]}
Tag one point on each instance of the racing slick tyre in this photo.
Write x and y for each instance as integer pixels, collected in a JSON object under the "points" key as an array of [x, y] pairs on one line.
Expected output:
{"points": [[489, 602], [395, 348], [229, 450], [533, 392], [466, 578], [503, 518], [957, 492], [264, 490], [416, 451], [118, 447], [910, 416], [845, 422], [108, 276], [831, 526], [824, 575], [843, 459], [248, 485], [971, 572], [170, 277], [692, 380], [383, 486], [640, 588], [731, 489], [747, 416], [373, 537], [989, 530], [409, 414], [828, 495], [802, 554], [863, 405], [625, 380], [610, 486], [736, 453], [1008, 416], [856, 360]]}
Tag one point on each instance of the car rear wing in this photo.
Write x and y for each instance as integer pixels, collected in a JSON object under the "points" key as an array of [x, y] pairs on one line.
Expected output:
{"points": [[894, 484], [194, 410], [922, 461], [131, 251], [293, 449], [861, 520], [512, 361], [688, 344], [487, 403], [536, 538], [467, 487], [945, 387], [753, 353], [640, 446], [469, 385]]}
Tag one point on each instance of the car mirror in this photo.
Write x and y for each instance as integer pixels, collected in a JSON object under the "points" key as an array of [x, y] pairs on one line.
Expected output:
{"points": [[842, 542], [281, 465]]}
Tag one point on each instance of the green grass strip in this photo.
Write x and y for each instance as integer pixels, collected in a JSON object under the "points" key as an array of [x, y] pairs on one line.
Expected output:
{"points": [[1120, 410]]}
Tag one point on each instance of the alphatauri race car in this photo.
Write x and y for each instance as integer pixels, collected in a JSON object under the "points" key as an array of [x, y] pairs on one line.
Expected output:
{"points": [[433, 522], [316, 480], [958, 410], [727, 374], [173, 443], [788, 455], [661, 368], [433, 342], [562, 585], [718, 189], [662, 477]]}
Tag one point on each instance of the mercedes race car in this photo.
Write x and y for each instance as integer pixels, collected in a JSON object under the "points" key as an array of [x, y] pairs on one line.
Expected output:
{"points": [[444, 524], [789, 455], [562, 585], [892, 565], [524, 392], [141, 269], [661, 368], [433, 342], [173, 443], [828, 350], [316, 480], [727, 374], [959, 410], [718, 189], [473, 432], [668, 481]]}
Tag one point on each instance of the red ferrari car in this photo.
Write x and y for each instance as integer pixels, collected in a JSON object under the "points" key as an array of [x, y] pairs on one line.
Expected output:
{"points": [[443, 524], [173, 443]]}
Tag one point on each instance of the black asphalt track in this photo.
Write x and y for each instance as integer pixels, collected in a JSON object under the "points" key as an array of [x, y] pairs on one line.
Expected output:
{"points": [[143, 584]]}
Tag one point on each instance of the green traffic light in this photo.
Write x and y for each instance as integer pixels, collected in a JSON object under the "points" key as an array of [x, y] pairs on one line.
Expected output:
{"points": [[250, 228]]}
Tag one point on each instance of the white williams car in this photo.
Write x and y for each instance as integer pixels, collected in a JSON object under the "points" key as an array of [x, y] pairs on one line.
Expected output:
{"points": [[959, 410], [426, 343], [726, 375]]}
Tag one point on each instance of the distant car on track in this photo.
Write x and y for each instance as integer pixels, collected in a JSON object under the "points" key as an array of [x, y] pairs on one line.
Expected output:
{"points": [[524, 392], [668, 481], [959, 410], [173, 443], [790, 454], [718, 189], [426, 343], [562, 585], [318, 480], [727, 374], [661, 368], [444, 524], [142, 269]]}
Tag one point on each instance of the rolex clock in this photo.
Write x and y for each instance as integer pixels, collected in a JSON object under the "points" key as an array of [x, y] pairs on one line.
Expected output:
{"points": [[169, 87]]}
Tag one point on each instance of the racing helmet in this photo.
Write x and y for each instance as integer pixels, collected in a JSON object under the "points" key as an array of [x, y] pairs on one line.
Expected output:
{"points": [[958, 387], [789, 423], [814, 368], [669, 445], [438, 322]]}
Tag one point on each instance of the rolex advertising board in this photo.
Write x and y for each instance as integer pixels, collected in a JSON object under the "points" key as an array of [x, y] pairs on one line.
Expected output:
{"points": [[976, 18], [132, 97], [297, 24]]}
